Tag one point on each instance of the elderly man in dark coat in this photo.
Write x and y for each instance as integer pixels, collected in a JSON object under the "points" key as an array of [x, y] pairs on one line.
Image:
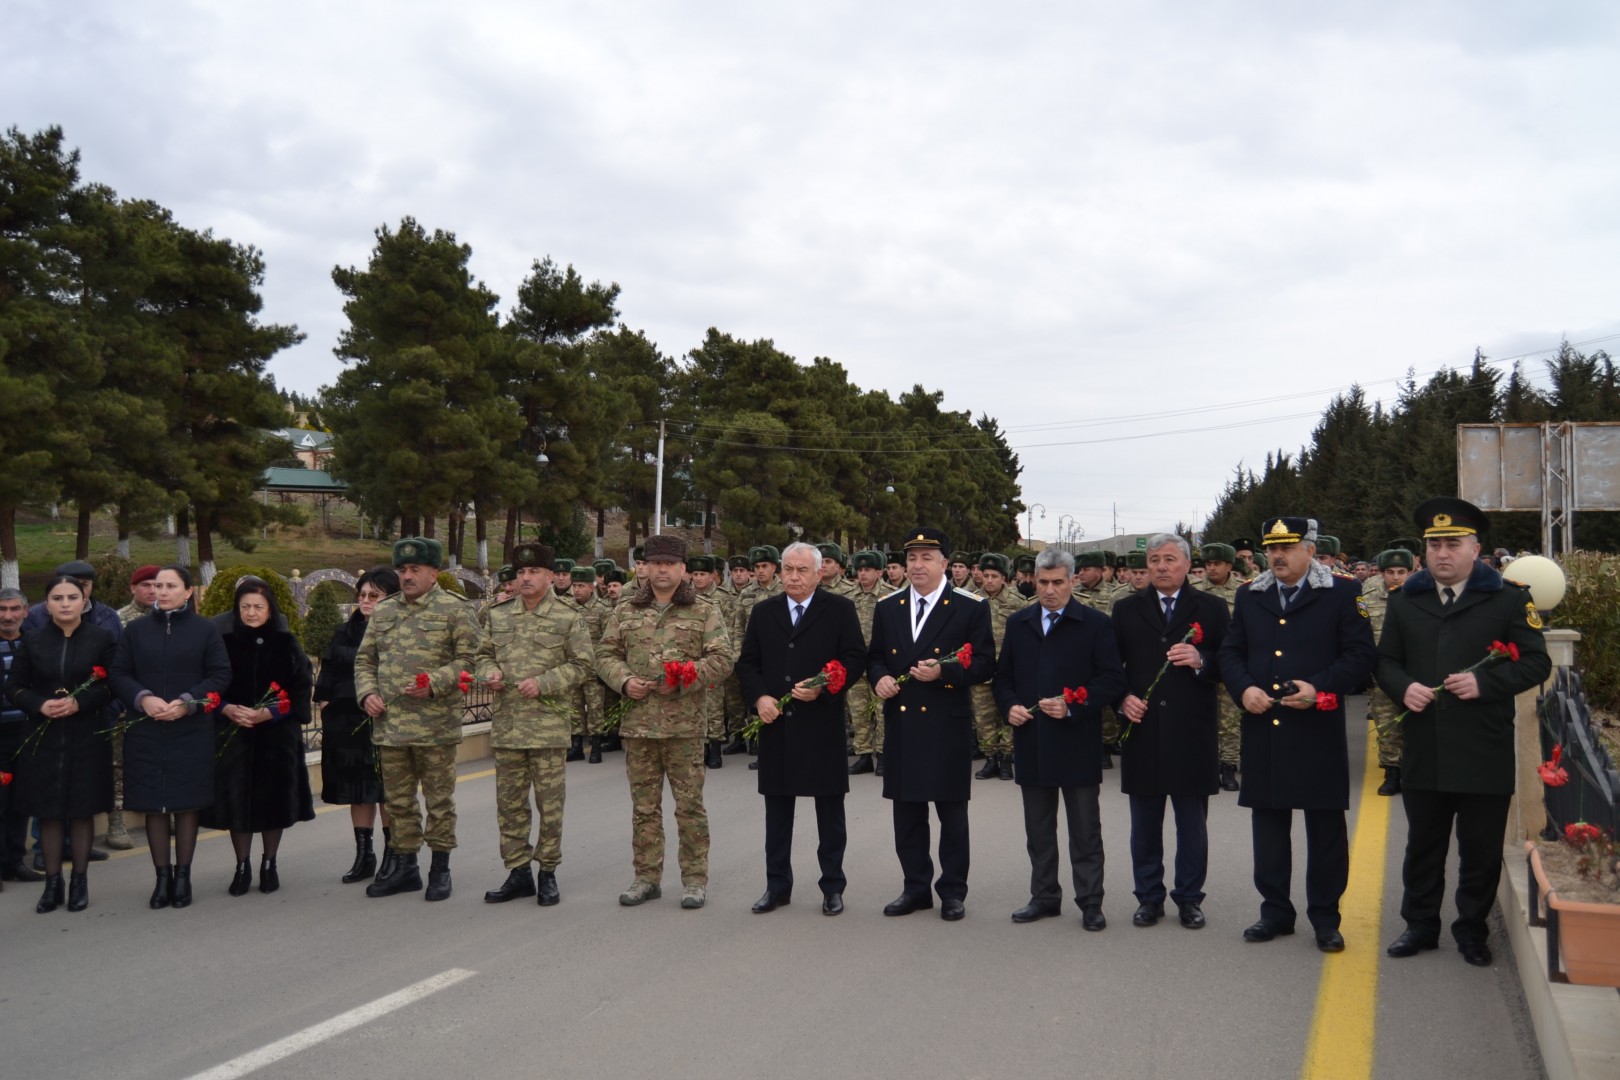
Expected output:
{"points": [[789, 640], [1170, 747], [1457, 756], [1052, 649], [1300, 641], [928, 718]]}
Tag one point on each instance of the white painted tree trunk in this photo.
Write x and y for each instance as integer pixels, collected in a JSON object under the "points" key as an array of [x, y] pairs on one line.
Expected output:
{"points": [[123, 547], [182, 551], [483, 556], [206, 572], [10, 575], [168, 525]]}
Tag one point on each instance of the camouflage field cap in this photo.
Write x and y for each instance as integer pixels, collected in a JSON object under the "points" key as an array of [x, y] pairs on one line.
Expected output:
{"points": [[418, 550]]}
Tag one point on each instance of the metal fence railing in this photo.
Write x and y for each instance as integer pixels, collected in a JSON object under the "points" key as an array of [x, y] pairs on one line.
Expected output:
{"points": [[1594, 785]]}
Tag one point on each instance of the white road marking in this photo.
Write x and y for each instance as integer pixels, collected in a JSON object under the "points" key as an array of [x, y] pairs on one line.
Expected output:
{"points": [[337, 1025]]}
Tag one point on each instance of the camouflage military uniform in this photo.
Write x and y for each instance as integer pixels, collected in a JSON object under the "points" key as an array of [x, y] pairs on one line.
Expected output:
{"points": [[1380, 709], [866, 720], [1227, 712], [714, 697], [417, 737], [663, 733], [751, 594], [588, 705], [994, 733]]}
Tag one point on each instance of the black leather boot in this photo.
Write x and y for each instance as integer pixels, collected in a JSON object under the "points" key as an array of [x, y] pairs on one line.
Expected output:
{"points": [[1229, 777], [991, 769], [735, 746], [243, 881], [402, 876], [164, 889], [438, 887], [520, 882], [596, 751], [1392, 781], [712, 758], [365, 859], [1107, 758], [576, 748], [548, 895], [51, 898], [877, 764], [182, 887], [861, 764], [78, 892], [269, 880], [1004, 766]]}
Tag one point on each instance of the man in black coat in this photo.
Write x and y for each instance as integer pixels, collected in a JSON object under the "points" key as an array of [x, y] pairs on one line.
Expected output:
{"points": [[1171, 747], [1297, 632], [789, 639], [928, 718], [1051, 648], [1457, 759]]}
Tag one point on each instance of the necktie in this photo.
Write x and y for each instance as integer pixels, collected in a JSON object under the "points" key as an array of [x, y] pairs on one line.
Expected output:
{"points": [[798, 613], [922, 613], [1169, 605], [1447, 597], [1051, 619], [1288, 592]]}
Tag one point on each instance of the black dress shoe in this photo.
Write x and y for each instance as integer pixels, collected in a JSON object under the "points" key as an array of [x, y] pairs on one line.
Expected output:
{"points": [[519, 883], [1192, 916], [832, 904], [1410, 943], [771, 901], [905, 904], [953, 910], [1330, 941], [545, 889], [1092, 919], [1476, 953], [1032, 911], [1147, 914], [753, 765], [19, 871], [243, 881], [1265, 931]]}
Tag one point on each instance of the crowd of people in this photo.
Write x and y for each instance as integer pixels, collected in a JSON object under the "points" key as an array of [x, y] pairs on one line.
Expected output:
{"points": [[1201, 671]]}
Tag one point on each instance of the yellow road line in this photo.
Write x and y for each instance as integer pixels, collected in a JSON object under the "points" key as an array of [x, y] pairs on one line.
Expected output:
{"points": [[208, 834], [1344, 1027]]}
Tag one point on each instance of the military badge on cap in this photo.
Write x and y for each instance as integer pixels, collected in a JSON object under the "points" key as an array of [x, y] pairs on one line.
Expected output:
{"points": [[418, 550], [1446, 516], [533, 557], [926, 540], [1288, 530], [582, 575]]}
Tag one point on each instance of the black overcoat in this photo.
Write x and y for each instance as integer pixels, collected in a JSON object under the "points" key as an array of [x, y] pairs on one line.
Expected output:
{"points": [[1454, 745], [68, 772], [1297, 758], [928, 735], [1173, 751], [174, 654], [1079, 652], [349, 771], [260, 780], [802, 752]]}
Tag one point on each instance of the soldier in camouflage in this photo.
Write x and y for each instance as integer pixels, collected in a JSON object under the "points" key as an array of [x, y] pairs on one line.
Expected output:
{"points": [[833, 565], [143, 595], [1394, 566], [561, 576], [766, 560], [733, 712], [894, 570], [665, 622], [1090, 585], [995, 734], [704, 572], [1220, 560], [535, 653], [407, 676], [588, 704], [864, 714]]}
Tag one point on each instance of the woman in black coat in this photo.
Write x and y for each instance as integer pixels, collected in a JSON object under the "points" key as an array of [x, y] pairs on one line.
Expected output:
{"points": [[261, 784], [64, 776], [166, 666], [349, 771]]}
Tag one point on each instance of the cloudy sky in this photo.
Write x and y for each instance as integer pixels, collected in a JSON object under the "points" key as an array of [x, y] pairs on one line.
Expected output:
{"points": [[1150, 238]]}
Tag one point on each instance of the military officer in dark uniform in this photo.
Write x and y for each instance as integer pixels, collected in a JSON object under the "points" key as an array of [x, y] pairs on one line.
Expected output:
{"points": [[1297, 632], [1457, 760]]}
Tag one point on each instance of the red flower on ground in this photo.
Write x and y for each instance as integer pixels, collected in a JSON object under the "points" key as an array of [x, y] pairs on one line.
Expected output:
{"points": [[1582, 832]]}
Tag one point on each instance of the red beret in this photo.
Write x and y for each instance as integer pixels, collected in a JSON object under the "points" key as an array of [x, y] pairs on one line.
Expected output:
{"points": [[145, 573]]}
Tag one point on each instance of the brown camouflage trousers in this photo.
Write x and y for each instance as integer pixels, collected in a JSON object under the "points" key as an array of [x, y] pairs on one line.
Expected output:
{"points": [[1381, 710], [588, 714], [734, 714], [517, 774], [867, 726], [647, 762], [1111, 726], [118, 770], [995, 734], [1230, 719], [714, 713], [434, 768]]}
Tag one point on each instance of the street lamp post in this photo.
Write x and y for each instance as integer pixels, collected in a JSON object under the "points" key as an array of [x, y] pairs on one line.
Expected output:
{"points": [[1029, 527]]}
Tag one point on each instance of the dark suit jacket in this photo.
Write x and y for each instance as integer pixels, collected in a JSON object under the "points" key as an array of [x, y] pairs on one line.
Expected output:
{"points": [[1079, 651], [1454, 745], [928, 727], [1173, 750], [802, 752], [1297, 758]]}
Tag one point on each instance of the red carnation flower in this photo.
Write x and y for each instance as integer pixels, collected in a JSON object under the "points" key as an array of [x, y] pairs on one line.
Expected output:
{"points": [[836, 676], [1582, 832], [1195, 636], [211, 702], [464, 682], [964, 655], [98, 672], [423, 681], [1327, 702], [1077, 696], [5, 779]]}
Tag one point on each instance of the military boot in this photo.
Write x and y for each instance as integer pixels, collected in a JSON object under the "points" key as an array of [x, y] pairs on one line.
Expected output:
{"points": [[596, 751], [1107, 758], [117, 832], [1004, 766], [862, 764], [1392, 781], [576, 748], [402, 876], [735, 746], [991, 769], [520, 882], [712, 758], [547, 894], [1228, 777], [438, 887]]}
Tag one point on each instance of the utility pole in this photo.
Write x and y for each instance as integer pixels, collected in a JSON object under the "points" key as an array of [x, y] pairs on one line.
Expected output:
{"points": [[658, 491]]}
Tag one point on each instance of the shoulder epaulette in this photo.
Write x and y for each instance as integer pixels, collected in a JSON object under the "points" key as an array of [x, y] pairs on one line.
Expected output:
{"points": [[964, 592]]}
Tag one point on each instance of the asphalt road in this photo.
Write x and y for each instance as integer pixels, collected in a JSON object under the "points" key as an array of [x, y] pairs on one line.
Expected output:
{"points": [[591, 989]]}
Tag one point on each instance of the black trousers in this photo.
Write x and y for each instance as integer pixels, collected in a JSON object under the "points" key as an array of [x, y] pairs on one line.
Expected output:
{"points": [[1147, 847], [13, 825], [1327, 865], [831, 837], [912, 842], [1085, 843], [1481, 821]]}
